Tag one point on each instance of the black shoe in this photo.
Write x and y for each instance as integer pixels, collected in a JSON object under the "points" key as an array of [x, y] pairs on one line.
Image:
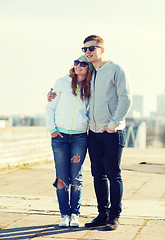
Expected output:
{"points": [[100, 220], [112, 224]]}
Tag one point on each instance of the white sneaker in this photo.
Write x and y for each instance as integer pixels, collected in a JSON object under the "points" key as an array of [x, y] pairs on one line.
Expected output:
{"points": [[65, 221], [74, 220]]}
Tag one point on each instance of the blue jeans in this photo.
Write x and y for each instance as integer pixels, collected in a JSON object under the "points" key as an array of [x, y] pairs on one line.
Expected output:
{"points": [[69, 170], [105, 151]]}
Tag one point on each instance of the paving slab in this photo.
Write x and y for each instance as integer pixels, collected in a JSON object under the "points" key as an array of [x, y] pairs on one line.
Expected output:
{"points": [[29, 206]]}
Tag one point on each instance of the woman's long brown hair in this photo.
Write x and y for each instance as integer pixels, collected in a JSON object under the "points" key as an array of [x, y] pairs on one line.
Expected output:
{"points": [[84, 85]]}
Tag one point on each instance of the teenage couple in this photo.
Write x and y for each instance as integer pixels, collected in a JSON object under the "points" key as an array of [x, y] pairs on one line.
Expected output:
{"points": [[95, 96]]}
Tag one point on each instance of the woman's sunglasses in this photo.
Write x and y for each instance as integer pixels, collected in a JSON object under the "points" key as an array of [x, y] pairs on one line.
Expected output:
{"points": [[91, 48], [82, 64]]}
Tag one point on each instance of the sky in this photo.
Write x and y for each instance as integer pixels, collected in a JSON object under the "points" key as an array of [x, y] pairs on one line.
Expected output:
{"points": [[39, 39]]}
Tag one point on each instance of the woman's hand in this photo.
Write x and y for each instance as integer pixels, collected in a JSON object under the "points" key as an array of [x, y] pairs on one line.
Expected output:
{"points": [[51, 95], [55, 134]]}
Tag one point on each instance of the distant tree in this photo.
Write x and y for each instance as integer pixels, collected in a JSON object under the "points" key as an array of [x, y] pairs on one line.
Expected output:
{"points": [[162, 136]]}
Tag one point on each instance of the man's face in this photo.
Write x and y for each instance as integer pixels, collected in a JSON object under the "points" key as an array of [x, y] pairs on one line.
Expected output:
{"points": [[93, 56]]}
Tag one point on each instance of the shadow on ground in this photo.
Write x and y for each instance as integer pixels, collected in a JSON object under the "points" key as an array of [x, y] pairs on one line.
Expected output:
{"points": [[157, 168], [35, 231]]}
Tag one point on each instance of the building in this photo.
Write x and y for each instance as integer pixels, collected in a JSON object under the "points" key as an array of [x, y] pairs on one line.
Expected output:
{"points": [[6, 122], [136, 110], [158, 117], [161, 105]]}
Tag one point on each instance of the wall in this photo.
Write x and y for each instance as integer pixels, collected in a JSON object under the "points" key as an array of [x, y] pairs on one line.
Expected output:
{"points": [[22, 145]]}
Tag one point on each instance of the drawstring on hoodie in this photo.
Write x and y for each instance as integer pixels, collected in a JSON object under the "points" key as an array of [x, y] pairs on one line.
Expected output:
{"points": [[75, 106]]}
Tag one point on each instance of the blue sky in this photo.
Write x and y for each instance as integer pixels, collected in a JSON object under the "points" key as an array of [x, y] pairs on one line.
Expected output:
{"points": [[39, 39]]}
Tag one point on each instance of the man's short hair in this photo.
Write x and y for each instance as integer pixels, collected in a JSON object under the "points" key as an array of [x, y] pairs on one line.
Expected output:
{"points": [[96, 38]]}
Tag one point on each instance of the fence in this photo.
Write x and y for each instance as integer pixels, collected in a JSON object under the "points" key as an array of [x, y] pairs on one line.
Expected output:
{"points": [[23, 145]]}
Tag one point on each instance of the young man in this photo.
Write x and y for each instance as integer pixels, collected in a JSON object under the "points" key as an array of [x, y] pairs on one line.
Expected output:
{"points": [[108, 106], [109, 103]]}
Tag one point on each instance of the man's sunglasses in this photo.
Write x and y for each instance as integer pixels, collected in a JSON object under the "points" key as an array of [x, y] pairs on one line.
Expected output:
{"points": [[82, 64], [91, 48]]}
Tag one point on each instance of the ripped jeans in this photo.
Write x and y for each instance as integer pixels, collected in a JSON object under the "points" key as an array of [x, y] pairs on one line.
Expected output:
{"points": [[69, 155]]}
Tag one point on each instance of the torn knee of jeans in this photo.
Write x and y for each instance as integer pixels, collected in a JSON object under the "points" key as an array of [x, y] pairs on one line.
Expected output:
{"points": [[59, 184], [75, 159], [77, 188]]}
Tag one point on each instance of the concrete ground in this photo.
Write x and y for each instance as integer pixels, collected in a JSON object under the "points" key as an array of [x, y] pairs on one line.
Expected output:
{"points": [[29, 207]]}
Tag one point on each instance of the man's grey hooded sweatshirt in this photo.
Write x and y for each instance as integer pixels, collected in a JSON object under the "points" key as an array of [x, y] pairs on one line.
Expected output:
{"points": [[110, 98]]}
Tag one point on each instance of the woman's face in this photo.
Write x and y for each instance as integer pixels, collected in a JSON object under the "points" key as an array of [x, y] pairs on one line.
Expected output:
{"points": [[80, 70]]}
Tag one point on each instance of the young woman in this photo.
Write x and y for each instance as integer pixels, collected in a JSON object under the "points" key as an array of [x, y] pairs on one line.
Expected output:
{"points": [[66, 120]]}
